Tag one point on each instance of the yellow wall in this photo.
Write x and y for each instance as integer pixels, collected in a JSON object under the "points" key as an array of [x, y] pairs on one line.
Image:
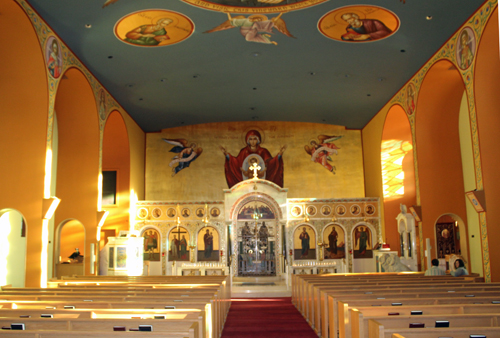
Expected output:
{"points": [[29, 95], [23, 128], [440, 149], [486, 82], [474, 238], [204, 179], [116, 156]]}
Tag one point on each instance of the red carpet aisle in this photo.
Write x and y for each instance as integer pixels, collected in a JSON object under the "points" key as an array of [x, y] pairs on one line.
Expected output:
{"points": [[265, 317]]}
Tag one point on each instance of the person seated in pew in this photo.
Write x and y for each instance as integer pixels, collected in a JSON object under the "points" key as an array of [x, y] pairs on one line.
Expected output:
{"points": [[460, 269], [434, 270]]}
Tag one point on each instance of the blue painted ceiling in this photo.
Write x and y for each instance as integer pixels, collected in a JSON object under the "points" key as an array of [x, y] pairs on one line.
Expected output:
{"points": [[220, 77]]}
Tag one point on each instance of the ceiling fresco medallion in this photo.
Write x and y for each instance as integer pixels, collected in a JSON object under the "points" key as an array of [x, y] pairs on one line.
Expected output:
{"points": [[254, 6], [255, 28], [154, 28], [358, 24], [466, 45]]}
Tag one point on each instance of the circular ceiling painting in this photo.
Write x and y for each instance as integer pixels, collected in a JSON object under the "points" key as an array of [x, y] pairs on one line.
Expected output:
{"points": [[358, 23], [254, 6], [154, 28]]}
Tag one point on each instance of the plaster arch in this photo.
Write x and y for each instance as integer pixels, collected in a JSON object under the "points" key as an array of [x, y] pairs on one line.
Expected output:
{"points": [[25, 112], [336, 224], [440, 175], [460, 224], [486, 83], [255, 196], [116, 157], [75, 238], [78, 154], [373, 230], [397, 127]]}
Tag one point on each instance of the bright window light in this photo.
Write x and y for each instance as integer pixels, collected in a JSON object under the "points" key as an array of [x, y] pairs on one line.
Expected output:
{"points": [[392, 155]]}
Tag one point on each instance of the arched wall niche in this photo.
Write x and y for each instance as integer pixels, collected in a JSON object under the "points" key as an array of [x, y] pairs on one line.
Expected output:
{"points": [[450, 239], [23, 127], [12, 248], [78, 154], [438, 146], [486, 83], [71, 236], [116, 157], [397, 128]]}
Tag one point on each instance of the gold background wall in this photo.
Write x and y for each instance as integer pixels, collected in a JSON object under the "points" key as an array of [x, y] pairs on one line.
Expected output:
{"points": [[205, 178]]}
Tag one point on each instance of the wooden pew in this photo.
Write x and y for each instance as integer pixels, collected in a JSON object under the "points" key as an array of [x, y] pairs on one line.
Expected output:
{"points": [[70, 326], [358, 315], [213, 292], [360, 322], [308, 304], [95, 334], [307, 297], [377, 330], [197, 315], [319, 299], [338, 305], [331, 311]]}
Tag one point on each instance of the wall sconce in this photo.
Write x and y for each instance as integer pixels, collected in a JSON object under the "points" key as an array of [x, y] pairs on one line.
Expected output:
{"points": [[306, 219], [49, 206], [334, 219]]}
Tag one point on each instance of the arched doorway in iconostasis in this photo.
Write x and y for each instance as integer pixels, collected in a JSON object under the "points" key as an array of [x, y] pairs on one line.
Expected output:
{"points": [[256, 236]]}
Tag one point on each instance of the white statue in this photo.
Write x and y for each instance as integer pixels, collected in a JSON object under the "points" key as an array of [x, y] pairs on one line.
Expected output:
{"points": [[395, 265]]}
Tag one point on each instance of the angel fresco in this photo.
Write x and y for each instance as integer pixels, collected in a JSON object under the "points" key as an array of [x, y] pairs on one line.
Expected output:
{"points": [[186, 154], [255, 28], [320, 151], [362, 242]]}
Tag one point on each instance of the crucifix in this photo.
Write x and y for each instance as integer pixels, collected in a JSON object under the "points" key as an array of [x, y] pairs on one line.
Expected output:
{"points": [[255, 168], [177, 241]]}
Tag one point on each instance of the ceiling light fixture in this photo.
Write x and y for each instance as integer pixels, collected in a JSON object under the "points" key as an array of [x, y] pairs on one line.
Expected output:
{"points": [[163, 80], [429, 17], [256, 54], [88, 26], [110, 57]]}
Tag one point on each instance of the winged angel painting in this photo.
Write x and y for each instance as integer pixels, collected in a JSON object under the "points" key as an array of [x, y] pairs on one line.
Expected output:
{"points": [[320, 151], [185, 154], [255, 28]]}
